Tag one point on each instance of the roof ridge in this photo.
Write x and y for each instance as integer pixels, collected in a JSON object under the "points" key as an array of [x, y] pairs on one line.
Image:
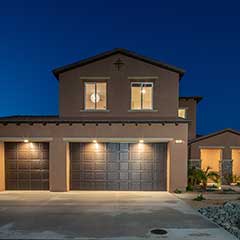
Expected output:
{"points": [[108, 53], [214, 134]]}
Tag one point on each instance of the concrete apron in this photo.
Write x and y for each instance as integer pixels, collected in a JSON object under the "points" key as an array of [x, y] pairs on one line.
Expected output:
{"points": [[101, 215]]}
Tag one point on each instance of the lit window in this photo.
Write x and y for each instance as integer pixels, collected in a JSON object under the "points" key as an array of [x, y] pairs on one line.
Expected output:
{"points": [[141, 96], [95, 95], [182, 113]]}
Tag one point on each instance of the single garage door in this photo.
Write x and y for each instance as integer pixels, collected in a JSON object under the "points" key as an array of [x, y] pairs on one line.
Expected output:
{"points": [[118, 166], [27, 166]]}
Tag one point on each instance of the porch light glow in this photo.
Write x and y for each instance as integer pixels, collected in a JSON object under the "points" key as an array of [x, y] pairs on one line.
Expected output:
{"points": [[178, 141], [141, 141], [26, 140], [94, 141]]}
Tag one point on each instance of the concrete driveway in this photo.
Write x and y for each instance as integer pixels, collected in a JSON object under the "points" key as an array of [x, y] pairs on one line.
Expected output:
{"points": [[104, 215]]}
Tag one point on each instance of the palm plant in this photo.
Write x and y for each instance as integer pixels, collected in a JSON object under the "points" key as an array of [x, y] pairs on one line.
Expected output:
{"points": [[197, 176]]}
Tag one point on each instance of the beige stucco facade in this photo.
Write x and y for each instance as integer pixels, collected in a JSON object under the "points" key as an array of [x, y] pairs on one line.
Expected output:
{"points": [[59, 136], [117, 123], [2, 167], [191, 110], [165, 95]]}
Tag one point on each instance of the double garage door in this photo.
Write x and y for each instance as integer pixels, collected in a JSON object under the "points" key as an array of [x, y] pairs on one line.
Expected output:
{"points": [[27, 166], [118, 166]]}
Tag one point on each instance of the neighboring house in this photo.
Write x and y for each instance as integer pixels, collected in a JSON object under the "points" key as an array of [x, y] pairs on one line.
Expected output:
{"points": [[121, 126], [219, 150]]}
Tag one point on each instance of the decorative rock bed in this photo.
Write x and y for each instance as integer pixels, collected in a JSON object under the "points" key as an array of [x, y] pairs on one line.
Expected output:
{"points": [[226, 216]]}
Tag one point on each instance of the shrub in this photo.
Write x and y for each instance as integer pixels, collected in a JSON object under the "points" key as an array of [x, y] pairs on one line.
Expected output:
{"points": [[198, 176], [177, 191], [199, 197], [189, 188]]}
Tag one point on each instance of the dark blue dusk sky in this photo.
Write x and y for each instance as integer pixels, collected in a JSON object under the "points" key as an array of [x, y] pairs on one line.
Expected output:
{"points": [[202, 37]]}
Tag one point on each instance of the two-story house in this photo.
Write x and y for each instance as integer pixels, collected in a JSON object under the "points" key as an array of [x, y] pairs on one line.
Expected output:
{"points": [[121, 126]]}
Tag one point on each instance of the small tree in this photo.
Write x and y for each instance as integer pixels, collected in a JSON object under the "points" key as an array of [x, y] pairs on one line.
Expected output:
{"points": [[197, 176]]}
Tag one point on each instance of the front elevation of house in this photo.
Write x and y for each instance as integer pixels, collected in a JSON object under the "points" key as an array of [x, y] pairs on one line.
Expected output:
{"points": [[121, 126]]}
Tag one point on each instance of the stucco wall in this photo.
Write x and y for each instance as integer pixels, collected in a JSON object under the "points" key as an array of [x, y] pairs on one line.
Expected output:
{"points": [[165, 96], [2, 167], [59, 161], [191, 106]]}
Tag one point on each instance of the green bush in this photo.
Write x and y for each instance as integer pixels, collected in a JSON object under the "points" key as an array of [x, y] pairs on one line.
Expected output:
{"points": [[189, 188], [199, 197], [200, 177], [177, 191]]}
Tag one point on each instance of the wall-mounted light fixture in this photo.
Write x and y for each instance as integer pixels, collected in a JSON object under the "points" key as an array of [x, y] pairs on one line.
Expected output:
{"points": [[179, 141], [94, 141], [26, 140], [141, 141]]}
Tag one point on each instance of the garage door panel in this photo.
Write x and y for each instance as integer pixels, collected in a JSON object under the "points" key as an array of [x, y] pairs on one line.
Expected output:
{"points": [[124, 166], [135, 176], [35, 164], [27, 166], [12, 185], [100, 165], [117, 166], [135, 186], [134, 166], [24, 175], [146, 176], [146, 166], [100, 186], [146, 186], [113, 166], [124, 176], [45, 155], [44, 164], [23, 185], [112, 147], [101, 176], [90, 165], [112, 176], [124, 186], [12, 176], [124, 156], [113, 186]]}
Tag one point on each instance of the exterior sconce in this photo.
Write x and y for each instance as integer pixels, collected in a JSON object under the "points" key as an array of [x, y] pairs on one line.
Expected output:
{"points": [[178, 141]]}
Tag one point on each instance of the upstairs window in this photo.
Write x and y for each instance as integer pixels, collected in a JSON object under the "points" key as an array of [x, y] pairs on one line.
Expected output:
{"points": [[95, 96], [182, 113], [141, 96]]}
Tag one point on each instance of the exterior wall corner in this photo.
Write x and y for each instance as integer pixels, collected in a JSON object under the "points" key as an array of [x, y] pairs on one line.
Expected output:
{"points": [[178, 166], [2, 167]]}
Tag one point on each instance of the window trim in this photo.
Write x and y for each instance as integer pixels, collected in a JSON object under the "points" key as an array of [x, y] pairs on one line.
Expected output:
{"points": [[186, 112], [95, 104], [142, 83]]}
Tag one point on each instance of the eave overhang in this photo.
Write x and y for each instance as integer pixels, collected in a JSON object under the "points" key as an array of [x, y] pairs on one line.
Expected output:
{"points": [[96, 122]]}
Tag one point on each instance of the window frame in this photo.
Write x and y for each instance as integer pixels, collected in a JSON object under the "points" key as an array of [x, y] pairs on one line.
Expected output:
{"points": [[186, 112], [95, 104], [142, 83]]}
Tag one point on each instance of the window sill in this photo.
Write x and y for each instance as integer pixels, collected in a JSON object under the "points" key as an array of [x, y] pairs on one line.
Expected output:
{"points": [[94, 110], [143, 110]]}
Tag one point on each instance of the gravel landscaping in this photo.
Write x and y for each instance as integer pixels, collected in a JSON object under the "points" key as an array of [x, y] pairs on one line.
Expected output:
{"points": [[226, 216]]}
